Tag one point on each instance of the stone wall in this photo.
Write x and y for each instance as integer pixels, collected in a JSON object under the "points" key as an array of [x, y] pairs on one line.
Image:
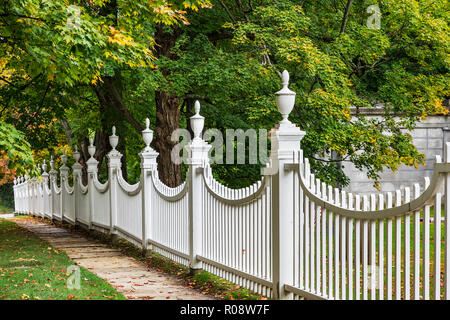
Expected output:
{"points": [[429, 137]]}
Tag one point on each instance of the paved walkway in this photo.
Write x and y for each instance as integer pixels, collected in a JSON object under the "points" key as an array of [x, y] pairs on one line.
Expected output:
{"points": [[128, 276]]}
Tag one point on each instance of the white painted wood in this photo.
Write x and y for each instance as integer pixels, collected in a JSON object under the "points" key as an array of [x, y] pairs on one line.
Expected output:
{"points": [[437, 246], [398, 248], [407, 253], [426, 248], [350, 249], [389, 275], [381, 267]]}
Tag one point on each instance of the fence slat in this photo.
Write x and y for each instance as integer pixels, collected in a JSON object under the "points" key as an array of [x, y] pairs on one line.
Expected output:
{"points": [[389, 249], [407, 249], [380, 276]]}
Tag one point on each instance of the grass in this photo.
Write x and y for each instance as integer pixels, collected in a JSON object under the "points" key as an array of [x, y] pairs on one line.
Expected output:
{"points": [[32, 269], [4, 209], [203, 281]]}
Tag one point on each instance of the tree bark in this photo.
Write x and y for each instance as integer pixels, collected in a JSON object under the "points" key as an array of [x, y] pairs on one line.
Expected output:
{"points": [[167, 113], [167, 121]]}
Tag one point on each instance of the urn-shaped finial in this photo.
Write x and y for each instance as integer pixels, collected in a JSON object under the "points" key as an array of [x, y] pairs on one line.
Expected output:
{"points": [[15, 181], [76, 154], [64, 158], [197, 121], [44, 167], [147, 134], [91, 148], [39, 168], [52, 163], [285, 98], [113, 139]]}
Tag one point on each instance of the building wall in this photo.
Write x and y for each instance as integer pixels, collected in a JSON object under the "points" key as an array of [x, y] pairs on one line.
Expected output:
{"points": [[429, 137]]}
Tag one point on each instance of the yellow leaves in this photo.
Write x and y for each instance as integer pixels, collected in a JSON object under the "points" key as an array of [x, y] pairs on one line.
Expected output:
{"points": [[25, 296], [50, 77], [346, 114], [119, 37]]}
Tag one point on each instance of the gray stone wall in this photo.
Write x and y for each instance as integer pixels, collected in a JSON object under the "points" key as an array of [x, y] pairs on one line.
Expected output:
{"points": [[429, 137]]}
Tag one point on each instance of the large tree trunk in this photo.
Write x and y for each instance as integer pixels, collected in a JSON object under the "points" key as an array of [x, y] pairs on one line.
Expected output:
{"points": [[167, 121], [167, 113]]}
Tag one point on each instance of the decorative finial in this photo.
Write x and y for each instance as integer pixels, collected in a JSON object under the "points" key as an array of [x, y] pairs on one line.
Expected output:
{"points": [[285, 99], [64, 158], [44, 167], [197, 121], [91, 148], [285, 78], [52, 163], [113, 139], [147, 135], [76, 154], [197, 107]]}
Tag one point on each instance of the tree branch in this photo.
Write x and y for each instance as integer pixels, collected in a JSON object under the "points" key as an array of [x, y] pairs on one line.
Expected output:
{"points": [[345, 18], [228, 11]]}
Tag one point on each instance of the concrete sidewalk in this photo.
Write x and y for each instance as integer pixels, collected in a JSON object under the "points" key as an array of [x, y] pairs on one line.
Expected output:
{"points": [[128, 276]]}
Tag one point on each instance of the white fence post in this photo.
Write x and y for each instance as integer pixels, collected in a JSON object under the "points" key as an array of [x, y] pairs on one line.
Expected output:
{"points": [[148, 165], [285, 148], [44, 176], [197, 155], [15, 195], [63, 176], [76, 178], [53, 175], [114, 164], [92, 170]]}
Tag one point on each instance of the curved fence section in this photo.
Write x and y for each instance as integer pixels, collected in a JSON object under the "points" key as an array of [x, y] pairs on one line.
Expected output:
{"points": [[170, 220], [287, 236], [377, 246], [237, 233]]}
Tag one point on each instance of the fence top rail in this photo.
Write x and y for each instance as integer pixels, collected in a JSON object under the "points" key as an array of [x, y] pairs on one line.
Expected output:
{"points": [[414, 205], [65, 184], [250, 194], [130, 189], [168, 193], [100, 187]]}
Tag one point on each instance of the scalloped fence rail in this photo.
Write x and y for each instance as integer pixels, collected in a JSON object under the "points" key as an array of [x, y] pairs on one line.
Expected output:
{"points": [[288, 236]]}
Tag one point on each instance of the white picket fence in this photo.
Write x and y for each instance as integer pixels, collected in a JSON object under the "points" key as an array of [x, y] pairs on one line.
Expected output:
{"points": [[288, 236]]}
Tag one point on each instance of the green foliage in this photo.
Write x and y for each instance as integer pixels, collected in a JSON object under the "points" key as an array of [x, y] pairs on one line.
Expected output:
{"points": [[14, 146], [228, 56], [403, 66]]}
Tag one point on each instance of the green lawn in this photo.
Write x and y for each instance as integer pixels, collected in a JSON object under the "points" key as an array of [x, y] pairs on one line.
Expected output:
{"points": [[4, 209], [32, 269]]}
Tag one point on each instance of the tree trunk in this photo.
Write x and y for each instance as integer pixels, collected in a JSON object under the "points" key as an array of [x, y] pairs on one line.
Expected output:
{"points": [[167, 121], [167, 113]]}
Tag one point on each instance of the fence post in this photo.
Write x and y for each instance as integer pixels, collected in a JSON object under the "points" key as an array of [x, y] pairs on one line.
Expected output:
{"points": [[63, 176], [197, 155], [114, 164], [285, 147], [15, 195], [76, 177], [44, 176], [53, 176], [92, 170], [148, 165]]}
